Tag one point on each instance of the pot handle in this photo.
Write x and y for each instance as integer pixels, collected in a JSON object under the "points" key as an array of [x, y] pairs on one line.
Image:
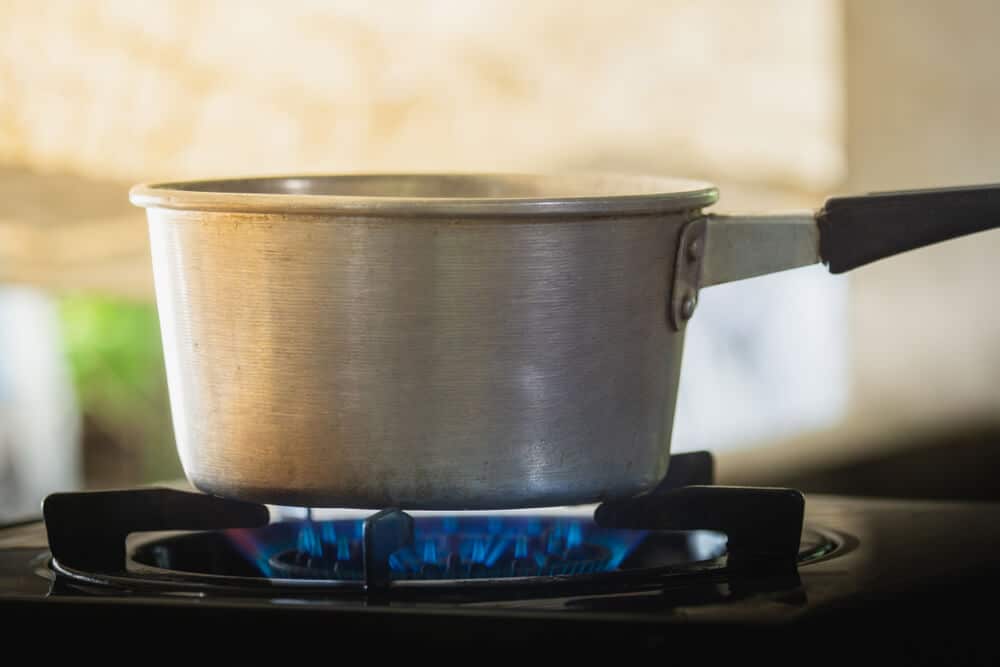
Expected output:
{"points": [[855, 231], [847, 232]]}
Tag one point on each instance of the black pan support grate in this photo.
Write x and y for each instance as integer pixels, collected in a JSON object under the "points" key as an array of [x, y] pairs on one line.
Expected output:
{"points": [[87, 530]]}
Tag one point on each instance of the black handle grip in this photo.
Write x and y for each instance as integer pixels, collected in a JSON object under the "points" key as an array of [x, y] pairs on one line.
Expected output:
{"points": [[857, 230]]}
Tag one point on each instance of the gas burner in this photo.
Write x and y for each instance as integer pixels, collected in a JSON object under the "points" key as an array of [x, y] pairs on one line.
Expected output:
{"points": [[690, 562], [448, 547], [330, 550], [686, 526]]}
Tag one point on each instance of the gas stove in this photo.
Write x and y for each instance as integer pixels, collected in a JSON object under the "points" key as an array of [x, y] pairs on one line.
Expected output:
{"points": [[687, 560]]}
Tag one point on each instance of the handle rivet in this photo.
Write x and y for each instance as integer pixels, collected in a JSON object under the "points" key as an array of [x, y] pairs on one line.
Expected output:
{"points": [[694, 250], [688, 306]]}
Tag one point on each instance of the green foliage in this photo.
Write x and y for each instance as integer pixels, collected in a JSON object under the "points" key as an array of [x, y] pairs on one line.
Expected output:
{"points": [[116, 359]]}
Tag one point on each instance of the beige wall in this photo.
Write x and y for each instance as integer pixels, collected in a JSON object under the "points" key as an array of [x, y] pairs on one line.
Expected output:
{"points": [[169, 89], [924, 109]]}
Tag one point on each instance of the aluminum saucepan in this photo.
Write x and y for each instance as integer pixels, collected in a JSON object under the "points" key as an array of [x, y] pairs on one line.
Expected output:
{"points": [[463, 341]]}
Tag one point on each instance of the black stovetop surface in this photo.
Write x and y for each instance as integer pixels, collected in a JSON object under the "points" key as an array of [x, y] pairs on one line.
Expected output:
{"points": [[931, 564], [926, 568]]}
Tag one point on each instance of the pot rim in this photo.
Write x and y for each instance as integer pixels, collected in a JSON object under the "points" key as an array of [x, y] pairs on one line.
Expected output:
{"points": [[477, 194]]}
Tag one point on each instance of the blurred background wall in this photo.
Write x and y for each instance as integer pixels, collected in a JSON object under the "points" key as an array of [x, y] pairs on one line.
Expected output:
{"points": [[780, 102]]}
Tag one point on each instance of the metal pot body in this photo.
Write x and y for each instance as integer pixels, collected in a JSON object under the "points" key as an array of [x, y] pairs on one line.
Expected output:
{"points": [[419, 362], [464, 341]]}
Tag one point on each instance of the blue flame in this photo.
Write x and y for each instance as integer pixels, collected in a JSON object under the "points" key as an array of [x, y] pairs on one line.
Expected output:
{"points": [[521, 549], [619, 550], [478, 551], [448, 547], [574, 536], [430, 552], [497, 551], [396, 563], [309, 542], [344, 549]]}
